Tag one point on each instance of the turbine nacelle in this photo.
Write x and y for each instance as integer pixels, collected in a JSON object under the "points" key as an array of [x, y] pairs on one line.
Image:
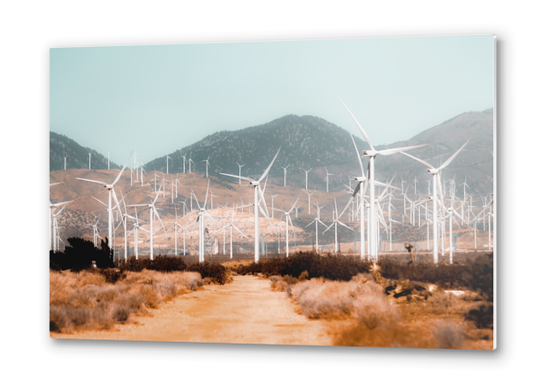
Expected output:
{"points": [[370, 153], [254, 183], [433, 171], [360, 179]]}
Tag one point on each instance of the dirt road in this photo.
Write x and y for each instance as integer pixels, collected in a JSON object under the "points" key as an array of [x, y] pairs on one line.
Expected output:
{"points": [[245, 312]]}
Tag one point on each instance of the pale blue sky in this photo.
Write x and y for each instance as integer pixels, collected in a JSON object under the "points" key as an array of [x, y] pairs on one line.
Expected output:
{"points": [[159, 98]]}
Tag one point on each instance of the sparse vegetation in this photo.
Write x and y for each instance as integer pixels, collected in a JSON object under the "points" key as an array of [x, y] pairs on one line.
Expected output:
{"points": [[379, 307], [214, 272], [160, 264], [81, 254], [309, 264], [86, 300]]}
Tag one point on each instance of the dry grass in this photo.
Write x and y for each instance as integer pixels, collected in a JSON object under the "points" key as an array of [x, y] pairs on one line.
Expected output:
{"points": [[333, 299], [363, 315], [84, 300]]}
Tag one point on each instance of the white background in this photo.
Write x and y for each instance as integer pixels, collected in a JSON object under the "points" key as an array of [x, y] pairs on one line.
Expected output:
{"points": [[29, 29]]}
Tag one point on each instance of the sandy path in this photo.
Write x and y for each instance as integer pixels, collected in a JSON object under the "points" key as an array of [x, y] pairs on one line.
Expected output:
{"points": [[245, 311]]}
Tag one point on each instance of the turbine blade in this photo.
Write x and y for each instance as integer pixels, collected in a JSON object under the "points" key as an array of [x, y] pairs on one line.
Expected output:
{"points": [[270, 165], [447, 162], [359, 157], [359, 126], [122, 170], [418, 160], [104, 204], [92, 181], [387, 152], [237, 177], [293, 206]]}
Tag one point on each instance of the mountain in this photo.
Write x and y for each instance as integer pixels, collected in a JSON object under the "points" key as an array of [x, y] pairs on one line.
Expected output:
{"points": [[311, 142], [61, 146], [305, 141]]}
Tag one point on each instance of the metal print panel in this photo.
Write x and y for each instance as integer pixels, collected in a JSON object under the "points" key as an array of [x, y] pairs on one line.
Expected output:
{"points": [[324, 192]]}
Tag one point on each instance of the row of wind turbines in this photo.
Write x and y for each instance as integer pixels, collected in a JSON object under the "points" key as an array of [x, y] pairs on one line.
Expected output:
{"points": [[357, 205]]}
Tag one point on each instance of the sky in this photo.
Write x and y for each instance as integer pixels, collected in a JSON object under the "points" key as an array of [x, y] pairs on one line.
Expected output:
{"points": [[156, 99]]}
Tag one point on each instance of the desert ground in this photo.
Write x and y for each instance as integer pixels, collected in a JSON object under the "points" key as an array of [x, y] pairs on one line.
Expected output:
{"points": [[245, 311], [250, 309]]}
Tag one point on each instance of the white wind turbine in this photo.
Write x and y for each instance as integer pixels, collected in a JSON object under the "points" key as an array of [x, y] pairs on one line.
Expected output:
{"points": [[89, 156], [306, 178], [137, 226], [257, 206], [95, 233], [231, 226], [184, 162], [175, 225], [327, 179], [288, 220], [240, 166], [362, 185], [167, 164], [372, 153], [111, 195], [336, 220], [285, 172], [152, 214], [436, 187], [201, 212], [53, 219], [309, 203], [317, 220], [190, 162], [206, 167]]}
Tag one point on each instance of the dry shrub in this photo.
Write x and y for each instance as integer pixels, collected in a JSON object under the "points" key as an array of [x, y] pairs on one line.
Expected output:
{"points": [[319, 299], [83, 300], [190, 280], [448, 334], [374, 310], [278, 284], [87, 277]]}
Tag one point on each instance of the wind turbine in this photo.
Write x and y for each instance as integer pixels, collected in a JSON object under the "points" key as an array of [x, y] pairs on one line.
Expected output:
{"points": [[202, 212], [108, 162], [309, 203], [372, 153], [317, 220], [134, 230], [111, 194], [167, 165], [184, 162], [152, 213], [175, 225], [232, 226], [306, 178], [257, 207], [240, 166], [53, 218], [361, 180], [285, 172], [89, 156], [288, 220], [336, 220], [436, 183], [327, 179], [95, 233], [206, 167]]}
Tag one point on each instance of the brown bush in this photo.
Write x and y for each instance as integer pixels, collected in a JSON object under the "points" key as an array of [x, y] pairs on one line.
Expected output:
{"points": [[84, 300]]}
